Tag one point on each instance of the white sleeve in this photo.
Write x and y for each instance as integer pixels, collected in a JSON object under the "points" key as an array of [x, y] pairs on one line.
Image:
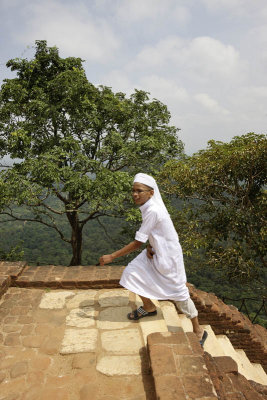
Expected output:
{"points": [[149, 222]]}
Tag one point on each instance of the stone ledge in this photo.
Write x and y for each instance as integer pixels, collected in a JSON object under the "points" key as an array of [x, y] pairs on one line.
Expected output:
{"points": [[76, 277], [12, 268]]}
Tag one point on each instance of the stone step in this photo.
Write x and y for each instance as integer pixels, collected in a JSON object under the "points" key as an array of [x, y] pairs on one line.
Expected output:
{"points": [[260, 371], [171, 316], [185, 323], [212, 345], [152, 324], [256, 372], [245, 367], [220, 345]]}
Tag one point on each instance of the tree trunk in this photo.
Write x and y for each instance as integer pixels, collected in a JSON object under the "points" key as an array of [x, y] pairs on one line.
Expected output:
{"points": [[76, 238]]}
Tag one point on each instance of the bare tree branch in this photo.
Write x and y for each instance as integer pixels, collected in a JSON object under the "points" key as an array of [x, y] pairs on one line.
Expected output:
{"points": [[40, 221]]}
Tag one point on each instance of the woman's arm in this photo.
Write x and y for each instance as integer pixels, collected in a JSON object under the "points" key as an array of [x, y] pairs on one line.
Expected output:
{"points": [[129, 248]]}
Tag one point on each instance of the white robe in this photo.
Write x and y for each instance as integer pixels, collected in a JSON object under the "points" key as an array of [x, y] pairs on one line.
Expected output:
{"points": [[162, 277]]}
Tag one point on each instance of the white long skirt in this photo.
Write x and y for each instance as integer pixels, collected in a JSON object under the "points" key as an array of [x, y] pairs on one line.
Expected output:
{"points": [[141, 276]]}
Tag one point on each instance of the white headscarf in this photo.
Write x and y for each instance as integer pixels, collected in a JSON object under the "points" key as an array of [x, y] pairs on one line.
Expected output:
{"points": [[150, 181]]}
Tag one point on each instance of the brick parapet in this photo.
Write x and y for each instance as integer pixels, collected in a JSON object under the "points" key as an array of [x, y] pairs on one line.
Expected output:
{"points": [[227, 320], [9, 272], [5, 282], [75, 277]]}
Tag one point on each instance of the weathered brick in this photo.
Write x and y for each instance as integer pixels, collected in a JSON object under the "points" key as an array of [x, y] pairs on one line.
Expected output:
{"points": [[40, 363], [167, 338], [162, 360], [12, 339], [226, 364], [197, 386], [192, 365], [169, 388], [33, 341], [194, 343], [19, 369]]}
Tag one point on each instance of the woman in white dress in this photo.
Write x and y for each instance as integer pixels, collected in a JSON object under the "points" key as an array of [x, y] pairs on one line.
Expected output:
{"points": [[158, 271]]}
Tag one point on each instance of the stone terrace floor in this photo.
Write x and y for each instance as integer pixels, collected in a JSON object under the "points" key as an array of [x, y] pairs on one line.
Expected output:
{"points": [[71, 345]]}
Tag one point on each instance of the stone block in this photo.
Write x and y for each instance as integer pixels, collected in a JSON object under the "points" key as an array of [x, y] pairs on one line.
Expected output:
{"points": [[54, 300], [169, 387], [19, 369], [153, 324], [119, 365], [81, 317], [162, 360], [127, 341], [34, 341], [192, 365], [226, 364], [40, 363], [114, 298], [78, 341], [114, 318], [167, 338], [12, 339], [83, 360], [89, 391], [51, 345], [80, 300], [198, 386]]}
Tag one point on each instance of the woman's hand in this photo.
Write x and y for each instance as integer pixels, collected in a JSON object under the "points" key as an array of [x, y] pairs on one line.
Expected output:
{"points": [[149, 251], [106, 259]]}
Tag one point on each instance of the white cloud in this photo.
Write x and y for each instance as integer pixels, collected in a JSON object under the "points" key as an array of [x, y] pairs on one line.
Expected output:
{"points": [[210, 104], [164, 89], [136, 10], [241, 8], [71, 27], [202, 59]]}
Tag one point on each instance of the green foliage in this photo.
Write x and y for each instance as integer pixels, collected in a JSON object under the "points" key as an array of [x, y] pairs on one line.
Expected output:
{"points": [[15, 253], [224, 204], [78, 143]]}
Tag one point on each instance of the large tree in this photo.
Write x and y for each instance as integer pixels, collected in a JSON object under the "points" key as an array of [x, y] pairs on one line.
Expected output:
{"points": [[78, 144], [222, 192]]}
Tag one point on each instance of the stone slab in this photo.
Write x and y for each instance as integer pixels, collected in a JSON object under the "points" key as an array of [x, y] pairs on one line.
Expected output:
{"points": [[114, 318], [80, 300], [81, 317], [119, 365], [127, 341], [171, 316], [153, 324], [79, 341], [55, 300], [114, 298]]}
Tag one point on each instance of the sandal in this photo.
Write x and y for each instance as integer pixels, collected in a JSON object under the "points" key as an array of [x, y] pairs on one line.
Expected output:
{"points": [[203, 339], [143, 313]]}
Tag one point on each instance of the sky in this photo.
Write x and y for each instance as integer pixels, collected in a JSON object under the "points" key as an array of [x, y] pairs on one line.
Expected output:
{"points": [[205, 59]]}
